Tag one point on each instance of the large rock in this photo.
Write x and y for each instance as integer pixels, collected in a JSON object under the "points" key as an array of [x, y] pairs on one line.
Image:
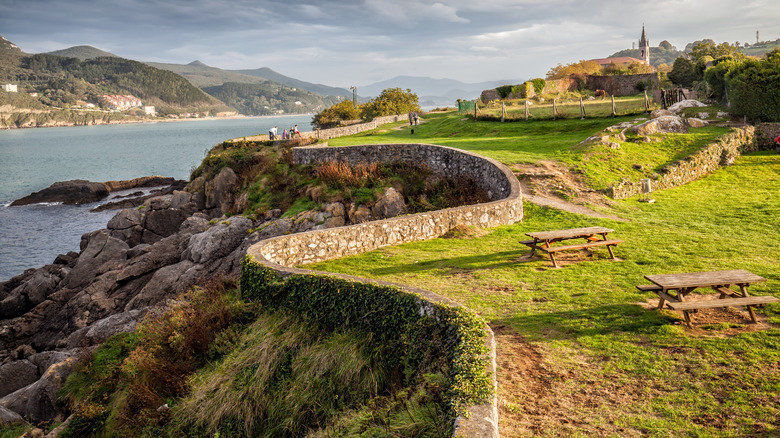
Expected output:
{"points": [[391, 204], [98, 332], [99, 249], [220, 192], [218, 241], [33, 291], [16, 375], [76, 192], [38, 402], [10, 418], [660, 125], [688, 103]]}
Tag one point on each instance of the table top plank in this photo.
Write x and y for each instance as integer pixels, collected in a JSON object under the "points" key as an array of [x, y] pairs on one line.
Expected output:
{"points": [[704, 279], [571, 233]]}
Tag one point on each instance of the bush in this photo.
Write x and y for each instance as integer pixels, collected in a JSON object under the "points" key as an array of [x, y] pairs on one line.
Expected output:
{"points": [[539, 84], [754, 89], [504, 91], [333, 116], [391, 101], [440, 339]]}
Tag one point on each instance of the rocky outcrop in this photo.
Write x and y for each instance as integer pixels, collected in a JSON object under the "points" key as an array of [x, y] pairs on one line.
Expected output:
{"points": [[79, 191], [660, 125]]}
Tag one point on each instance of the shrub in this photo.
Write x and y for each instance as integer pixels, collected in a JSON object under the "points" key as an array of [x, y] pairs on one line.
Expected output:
{"points": [[439, 338], [391, 101], [539, 84], [504, 91]]}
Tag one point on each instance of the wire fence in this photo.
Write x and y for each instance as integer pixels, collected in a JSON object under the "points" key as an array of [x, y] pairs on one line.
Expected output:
{"points": [[520, 110]]}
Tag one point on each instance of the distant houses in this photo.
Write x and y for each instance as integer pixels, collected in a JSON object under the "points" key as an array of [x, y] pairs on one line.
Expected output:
{"points": [[120, 101], [11, 88]]}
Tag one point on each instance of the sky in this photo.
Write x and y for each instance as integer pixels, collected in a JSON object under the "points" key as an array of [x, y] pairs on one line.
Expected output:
{"points": [[358, 42]]}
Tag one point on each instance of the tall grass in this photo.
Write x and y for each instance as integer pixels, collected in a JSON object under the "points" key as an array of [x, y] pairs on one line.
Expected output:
{"points": [[284, 381]]}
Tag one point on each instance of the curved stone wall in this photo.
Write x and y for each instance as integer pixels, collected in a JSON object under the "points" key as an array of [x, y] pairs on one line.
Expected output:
{"points": [[284, 252]]}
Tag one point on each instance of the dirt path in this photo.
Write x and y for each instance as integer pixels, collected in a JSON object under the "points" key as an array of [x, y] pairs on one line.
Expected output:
{"points": [[546, 183]]}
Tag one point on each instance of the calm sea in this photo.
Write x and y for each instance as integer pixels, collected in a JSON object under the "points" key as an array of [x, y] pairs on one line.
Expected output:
{"points": [[33, 159]]}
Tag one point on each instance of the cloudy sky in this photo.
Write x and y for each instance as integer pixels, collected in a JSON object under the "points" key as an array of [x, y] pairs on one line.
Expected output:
{"points": [[358, 42]]}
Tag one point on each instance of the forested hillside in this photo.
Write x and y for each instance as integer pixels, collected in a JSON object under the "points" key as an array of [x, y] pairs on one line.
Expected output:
{"points": [[268, 98]]}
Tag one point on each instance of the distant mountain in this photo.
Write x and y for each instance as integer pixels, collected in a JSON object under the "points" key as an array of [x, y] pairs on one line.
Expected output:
{"points": [[434, 91], [271, 75], [202, 75], [82, 52]]}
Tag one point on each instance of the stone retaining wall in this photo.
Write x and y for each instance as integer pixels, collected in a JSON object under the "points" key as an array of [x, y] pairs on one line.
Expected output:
{"points": [[708, 160], [283, 252], [338, 131]]}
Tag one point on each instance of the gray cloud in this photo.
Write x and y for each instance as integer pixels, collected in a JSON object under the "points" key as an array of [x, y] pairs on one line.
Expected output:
{"points": [[363, 41]]}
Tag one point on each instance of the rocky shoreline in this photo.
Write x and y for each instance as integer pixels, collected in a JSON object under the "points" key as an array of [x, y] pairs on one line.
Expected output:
{"points": [[145, 256]]}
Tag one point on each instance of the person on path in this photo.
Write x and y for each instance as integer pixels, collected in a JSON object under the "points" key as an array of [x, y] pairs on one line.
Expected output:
{"points": [[777, 144], [416, 118], [272, 133], [284, 135], [410, 118], [297, 132]]}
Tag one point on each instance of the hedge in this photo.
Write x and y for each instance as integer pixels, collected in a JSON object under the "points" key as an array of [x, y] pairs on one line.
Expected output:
{"points": [[413, 335]]}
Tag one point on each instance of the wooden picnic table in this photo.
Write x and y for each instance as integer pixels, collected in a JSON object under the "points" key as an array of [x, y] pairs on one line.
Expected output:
{"points": [[672, 289], [544, 240]]}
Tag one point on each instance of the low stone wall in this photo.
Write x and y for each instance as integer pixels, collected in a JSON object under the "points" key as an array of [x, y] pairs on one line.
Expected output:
{"points": [[620, 85], [491, 175], [338, 131], [766, 133], [283, 252], [708, 160]]}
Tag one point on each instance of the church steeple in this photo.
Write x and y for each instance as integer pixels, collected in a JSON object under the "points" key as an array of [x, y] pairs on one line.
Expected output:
{"points": [[644, 47]]}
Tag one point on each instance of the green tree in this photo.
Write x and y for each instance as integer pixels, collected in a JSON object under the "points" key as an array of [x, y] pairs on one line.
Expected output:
{"points": [[390, 101], [754, 88], [330, 117], [683, 72], [709, 48]]}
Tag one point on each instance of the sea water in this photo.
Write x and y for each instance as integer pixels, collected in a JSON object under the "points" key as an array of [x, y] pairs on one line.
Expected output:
{"points": [[33, 159]]}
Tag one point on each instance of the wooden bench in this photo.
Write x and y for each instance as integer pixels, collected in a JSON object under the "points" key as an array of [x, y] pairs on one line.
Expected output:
{"points": [[589, 244], [723, 302], [649, 287]]}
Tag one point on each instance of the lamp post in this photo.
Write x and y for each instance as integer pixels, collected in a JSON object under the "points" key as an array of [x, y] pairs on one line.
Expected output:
{"points": [[354, 95]]}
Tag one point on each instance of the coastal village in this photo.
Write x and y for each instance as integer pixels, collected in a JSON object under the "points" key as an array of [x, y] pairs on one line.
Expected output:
{"points": [[593, 253]]}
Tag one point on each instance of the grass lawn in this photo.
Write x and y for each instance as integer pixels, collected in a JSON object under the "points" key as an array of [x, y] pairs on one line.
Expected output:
{"points": [[580, 350]]}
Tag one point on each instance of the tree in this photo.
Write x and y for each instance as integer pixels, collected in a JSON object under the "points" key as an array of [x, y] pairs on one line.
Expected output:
{"points": [[683, 72], [576, 68], [754, 88], [390, 101], [333, 116], [709, 48]]}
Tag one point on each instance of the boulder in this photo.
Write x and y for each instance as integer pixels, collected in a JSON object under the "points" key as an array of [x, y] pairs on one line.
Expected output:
{"points": [[688, 103], [359, 214], [660, 113], [391, 204], [218, 241], [693, 122], [10, 418], [16, 375], [98, 332], [32, 292], [37, 402], [220, 192], [98, 249], [660, 125]]}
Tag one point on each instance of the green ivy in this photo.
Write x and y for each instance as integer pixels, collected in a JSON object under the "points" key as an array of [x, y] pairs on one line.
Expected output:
{"points": [[445, 339]]}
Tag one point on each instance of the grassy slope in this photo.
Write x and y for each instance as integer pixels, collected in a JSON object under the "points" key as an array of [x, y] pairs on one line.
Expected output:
{"points": [[578, 352]]}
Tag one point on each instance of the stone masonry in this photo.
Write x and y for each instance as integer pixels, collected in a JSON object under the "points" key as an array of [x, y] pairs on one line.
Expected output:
{"points": [[284, 252]]}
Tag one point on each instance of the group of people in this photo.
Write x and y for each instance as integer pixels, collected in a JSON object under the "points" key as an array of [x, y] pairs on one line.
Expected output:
{"points": [[413, 118], [286, 135]]}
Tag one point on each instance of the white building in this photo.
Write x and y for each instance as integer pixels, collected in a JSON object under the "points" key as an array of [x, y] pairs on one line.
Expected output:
{"points": [[10, 88], [149, 110]]}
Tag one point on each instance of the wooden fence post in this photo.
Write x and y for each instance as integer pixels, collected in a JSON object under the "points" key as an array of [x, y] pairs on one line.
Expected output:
{"points": [[503, 112], [526, 110], [647, 104], [614, 112], [555, 109], [582, 110]]}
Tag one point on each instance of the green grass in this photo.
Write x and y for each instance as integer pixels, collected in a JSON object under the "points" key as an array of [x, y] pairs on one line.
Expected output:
{"points": [[609, 365]]}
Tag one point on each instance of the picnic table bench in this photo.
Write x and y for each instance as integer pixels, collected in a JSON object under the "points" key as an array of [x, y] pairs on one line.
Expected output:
{"points": [[594, 236], [672, 289]]}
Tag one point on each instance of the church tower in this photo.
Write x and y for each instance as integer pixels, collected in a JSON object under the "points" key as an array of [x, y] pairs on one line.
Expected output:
{"points": [[644, 47]]}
